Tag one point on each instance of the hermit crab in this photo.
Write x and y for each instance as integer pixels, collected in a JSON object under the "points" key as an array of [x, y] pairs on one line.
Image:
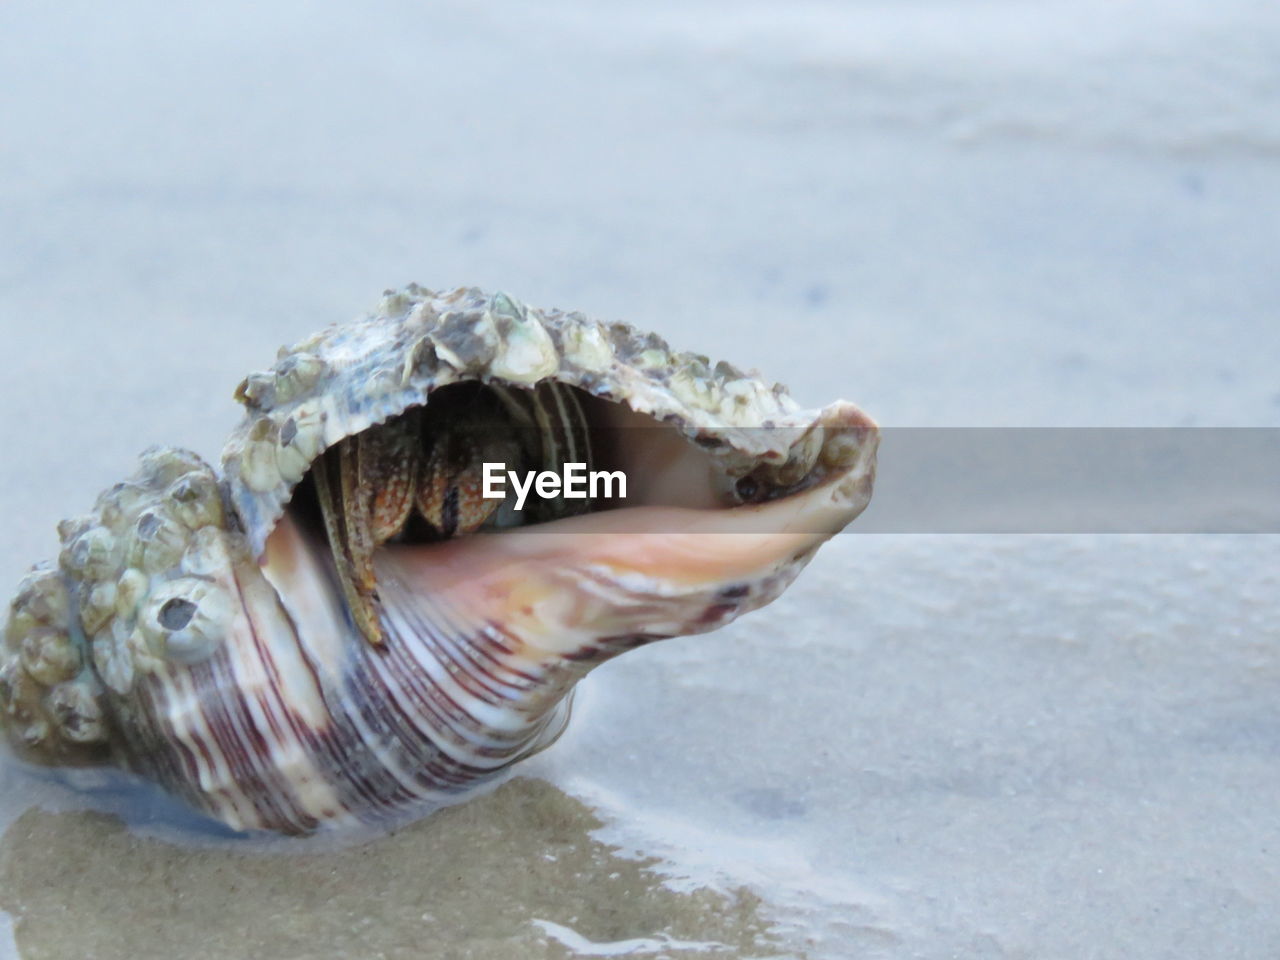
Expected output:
{"points": [[367, 611]]}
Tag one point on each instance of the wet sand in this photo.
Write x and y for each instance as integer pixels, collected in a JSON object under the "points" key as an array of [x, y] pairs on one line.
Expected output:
{"points": [[512, 875]]}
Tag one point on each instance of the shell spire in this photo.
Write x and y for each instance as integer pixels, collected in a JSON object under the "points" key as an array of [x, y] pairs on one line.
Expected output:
{"points": [[347, 623]]}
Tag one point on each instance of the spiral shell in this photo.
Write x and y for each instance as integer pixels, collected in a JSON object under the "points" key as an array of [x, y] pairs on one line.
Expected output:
{"points": [[191, 629]]}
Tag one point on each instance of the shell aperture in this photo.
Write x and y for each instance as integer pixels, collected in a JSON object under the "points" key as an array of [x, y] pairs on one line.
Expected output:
{"points": [[337, 627]]}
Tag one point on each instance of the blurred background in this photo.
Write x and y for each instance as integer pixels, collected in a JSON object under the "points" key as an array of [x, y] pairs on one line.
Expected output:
{"points": [[953, 212]]}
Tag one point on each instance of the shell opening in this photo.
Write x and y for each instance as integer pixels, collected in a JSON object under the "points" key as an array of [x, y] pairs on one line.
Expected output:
{"points": [[408, 473], [697, 539]]}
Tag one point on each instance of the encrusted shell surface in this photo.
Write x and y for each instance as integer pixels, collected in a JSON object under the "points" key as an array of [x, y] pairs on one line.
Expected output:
{"points": [[347, 378], [171, 639]]}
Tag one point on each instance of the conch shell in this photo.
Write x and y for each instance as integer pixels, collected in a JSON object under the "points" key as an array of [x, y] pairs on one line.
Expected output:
{"points": [[200, 629]]}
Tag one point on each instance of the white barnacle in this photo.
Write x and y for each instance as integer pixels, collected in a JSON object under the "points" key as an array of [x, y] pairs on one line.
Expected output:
{"points": [[92, 555], [525, 352], [185, 620], [98, 606], [49, 656], [585, 344], [297, 374], [77, 712], [465, 341], [420, 361], [157, 542], [258, 465], [694, 387], [112, 657], [194, 499], [43, 594], [300, 439], [131, 589]]}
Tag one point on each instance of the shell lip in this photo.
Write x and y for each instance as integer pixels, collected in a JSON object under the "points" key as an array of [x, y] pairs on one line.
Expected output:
{"points": [[827, 498]]}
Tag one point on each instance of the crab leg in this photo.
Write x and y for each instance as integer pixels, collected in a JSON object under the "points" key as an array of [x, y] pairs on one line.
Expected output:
{"points": [[365, 485]]}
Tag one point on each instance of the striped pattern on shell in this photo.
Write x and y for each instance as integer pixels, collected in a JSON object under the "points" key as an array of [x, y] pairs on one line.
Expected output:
{"points": [[192, 630]]}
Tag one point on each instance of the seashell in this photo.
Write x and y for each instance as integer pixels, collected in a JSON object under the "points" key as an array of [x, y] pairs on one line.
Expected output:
{"points": [[337, 628]]}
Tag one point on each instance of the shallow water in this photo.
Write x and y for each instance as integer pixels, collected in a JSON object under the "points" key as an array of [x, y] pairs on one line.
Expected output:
{"points": [[955, 214]]}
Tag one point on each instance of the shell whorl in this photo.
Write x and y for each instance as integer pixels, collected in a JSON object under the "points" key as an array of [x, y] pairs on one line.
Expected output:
{"points": [[190, 630], [136, 585]]}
